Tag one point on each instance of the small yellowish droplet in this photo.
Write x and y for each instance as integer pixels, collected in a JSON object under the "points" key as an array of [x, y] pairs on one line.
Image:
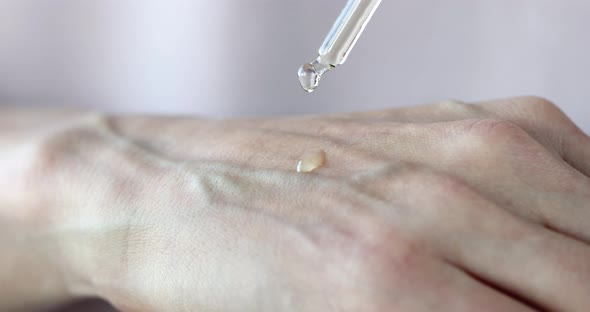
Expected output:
{"points": [[311, 161]]}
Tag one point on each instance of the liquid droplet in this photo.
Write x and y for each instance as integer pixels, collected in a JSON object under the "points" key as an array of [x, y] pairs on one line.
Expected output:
{"points": [[308, 78], [310, 74], [311, 161]]}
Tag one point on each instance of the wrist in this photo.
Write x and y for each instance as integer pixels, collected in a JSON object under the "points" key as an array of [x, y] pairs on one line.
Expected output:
{"points": [[85, 185], [33, 233], [54, 206]]}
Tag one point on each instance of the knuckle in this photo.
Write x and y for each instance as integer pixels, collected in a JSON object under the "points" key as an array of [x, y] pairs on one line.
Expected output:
{"points": [[539, 103], [487, 127], [545, 112], [489, 133], [494, 142]]}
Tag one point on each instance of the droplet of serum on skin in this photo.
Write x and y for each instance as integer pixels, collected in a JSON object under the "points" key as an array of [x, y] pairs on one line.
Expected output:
{"points": [[311, 161]]}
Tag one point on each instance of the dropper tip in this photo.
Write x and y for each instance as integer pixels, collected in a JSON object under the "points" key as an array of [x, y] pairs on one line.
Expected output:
{"points": [[311, 73]]}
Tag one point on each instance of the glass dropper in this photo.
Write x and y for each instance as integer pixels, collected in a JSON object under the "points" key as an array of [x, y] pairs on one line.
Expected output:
{"points": [[337, 46]]}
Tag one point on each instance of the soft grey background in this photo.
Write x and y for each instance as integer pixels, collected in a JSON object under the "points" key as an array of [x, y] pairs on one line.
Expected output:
{"points": [[236, 57]]}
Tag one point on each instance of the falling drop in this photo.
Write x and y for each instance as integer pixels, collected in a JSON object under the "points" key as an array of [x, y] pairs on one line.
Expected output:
{"points": [[311, 161], [310, 74]]}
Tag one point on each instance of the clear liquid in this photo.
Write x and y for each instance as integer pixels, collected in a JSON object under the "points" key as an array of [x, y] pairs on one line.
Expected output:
{"points": [[311, 161], [311, 74]]}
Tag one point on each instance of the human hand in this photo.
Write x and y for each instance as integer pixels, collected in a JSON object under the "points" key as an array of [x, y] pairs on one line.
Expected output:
{"points": [[448, 207]]}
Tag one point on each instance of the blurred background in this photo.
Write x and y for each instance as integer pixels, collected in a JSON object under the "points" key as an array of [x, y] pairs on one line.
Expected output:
{"points": [[240, 57], [232, 57]]}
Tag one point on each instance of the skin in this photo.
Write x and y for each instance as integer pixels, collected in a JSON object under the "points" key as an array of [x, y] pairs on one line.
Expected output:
{"points": [[444, 207]]}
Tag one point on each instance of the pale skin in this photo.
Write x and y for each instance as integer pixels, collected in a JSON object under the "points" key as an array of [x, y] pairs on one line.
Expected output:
{"points": [[444, 207]]}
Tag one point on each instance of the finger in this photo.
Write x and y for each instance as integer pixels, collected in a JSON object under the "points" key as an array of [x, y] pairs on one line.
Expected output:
{"points": [[482, 296], [422, 283], [451, 290], [493, 244], [543, 267]]}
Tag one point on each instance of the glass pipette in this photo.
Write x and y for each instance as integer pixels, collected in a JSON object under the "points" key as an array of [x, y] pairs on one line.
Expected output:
{"points": [[339, 42]]}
